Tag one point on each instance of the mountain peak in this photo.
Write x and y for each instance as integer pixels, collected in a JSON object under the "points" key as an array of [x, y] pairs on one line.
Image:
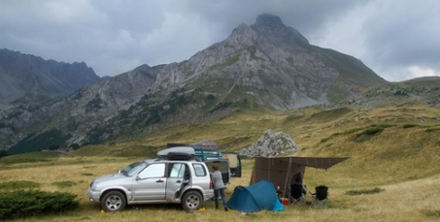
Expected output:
{"points": [[269, 20], [272, 27]]}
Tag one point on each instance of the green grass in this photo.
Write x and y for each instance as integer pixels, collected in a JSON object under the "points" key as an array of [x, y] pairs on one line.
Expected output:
{"points": [[347, 132], [330, 115], [363, 135], [30, 157], [18, 185]]}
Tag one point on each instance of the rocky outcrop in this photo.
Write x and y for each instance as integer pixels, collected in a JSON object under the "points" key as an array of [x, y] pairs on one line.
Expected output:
{"points": [[271, 145]]}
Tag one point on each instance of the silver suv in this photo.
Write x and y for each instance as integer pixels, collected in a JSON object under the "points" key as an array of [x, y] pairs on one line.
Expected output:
{"points": [[154, 181]]}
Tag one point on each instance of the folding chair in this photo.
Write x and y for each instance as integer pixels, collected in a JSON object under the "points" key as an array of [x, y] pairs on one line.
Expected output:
{"points": [[320, 196]]}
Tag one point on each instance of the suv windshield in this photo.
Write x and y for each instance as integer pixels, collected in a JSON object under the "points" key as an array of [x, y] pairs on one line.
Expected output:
{"points": [[133, 168]]}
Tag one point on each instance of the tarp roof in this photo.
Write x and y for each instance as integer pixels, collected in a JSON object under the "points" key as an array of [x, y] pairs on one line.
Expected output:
{"points": [[315, 162], [280, 170]]}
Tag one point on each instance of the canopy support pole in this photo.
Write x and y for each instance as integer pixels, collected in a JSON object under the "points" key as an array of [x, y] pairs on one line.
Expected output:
{"points": [[286, 180]]}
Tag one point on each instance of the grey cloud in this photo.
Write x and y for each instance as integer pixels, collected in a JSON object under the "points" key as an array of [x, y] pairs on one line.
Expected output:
{"points": [[305, 16], [404, 35], [117, 35]]}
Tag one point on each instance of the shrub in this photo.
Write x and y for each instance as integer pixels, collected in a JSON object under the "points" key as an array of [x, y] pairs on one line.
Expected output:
{"points": [[44, 140], [64, 184], [432, 213], [368, 133], [367, 191], [432, 130], [3, 153], [409, 126], [31, 203], [371, 131]]}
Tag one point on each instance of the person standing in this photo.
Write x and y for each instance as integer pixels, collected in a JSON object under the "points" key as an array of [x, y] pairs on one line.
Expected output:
{"points": [[299, 181], [219, 187]]}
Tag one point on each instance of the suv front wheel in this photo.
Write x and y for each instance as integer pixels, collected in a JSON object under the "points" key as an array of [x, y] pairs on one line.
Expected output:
{"points": [[192, 200], [113, 201]]}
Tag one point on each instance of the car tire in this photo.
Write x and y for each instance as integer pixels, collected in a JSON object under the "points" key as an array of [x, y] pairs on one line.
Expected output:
{"points": [[113, 201], [192, 200]]}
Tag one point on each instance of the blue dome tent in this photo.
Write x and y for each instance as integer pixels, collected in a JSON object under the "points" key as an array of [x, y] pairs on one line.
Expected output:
{"points": [[257, 197]]}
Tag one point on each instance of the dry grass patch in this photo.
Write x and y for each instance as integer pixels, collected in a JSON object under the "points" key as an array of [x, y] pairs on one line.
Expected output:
{"points": [[405, 201]]}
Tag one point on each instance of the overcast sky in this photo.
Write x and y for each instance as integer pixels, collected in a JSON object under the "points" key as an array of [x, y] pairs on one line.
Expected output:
{"points": [[398, 39]]}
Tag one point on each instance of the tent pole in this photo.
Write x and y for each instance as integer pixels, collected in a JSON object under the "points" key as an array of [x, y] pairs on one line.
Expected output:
{"points": [[287, 176], [270, 168]]}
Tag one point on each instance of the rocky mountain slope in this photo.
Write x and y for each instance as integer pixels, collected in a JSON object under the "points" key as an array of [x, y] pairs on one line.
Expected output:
{"points": [[278, 67], [27, 77], [424, 90], [266, 64]]}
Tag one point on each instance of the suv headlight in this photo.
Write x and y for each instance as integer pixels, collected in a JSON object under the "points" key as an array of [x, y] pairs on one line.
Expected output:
{"points": [[93, 185]]}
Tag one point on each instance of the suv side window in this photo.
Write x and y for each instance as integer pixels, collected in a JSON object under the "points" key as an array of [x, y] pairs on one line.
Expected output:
{"points": [[177, 170], [199, 170], [153, 171]]}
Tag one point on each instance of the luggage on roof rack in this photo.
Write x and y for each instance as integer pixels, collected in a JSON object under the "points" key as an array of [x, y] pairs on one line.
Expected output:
{"points": [[177, 153], [205, 145]]}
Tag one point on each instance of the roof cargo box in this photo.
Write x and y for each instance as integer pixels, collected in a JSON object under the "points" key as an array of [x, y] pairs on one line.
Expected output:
{"points": [[179, 156], [177, 153]]}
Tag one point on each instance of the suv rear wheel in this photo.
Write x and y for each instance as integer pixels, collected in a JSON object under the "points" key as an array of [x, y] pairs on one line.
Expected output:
{"points": [[113, 201], [192, 200]]}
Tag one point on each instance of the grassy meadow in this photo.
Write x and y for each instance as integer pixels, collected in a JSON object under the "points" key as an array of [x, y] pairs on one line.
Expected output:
{"points": [[393, 173]]}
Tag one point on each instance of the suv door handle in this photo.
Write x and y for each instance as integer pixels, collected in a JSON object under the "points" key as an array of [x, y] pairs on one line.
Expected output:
{"points": [[159, 181]]}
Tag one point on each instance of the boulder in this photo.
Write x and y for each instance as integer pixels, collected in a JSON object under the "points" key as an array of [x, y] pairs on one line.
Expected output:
{"points": [[271, 145]]}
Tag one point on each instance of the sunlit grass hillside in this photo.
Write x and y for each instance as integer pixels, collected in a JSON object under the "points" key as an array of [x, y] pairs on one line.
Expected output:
{"points": [[392, 143], [392, 172]]}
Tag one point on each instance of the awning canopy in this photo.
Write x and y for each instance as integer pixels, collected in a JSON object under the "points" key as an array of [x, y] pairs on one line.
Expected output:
{"points": [[315, 162], [280, 170]]}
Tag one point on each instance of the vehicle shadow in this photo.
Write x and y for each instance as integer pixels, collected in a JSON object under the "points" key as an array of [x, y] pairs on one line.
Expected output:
{"points": [[154, 207]]}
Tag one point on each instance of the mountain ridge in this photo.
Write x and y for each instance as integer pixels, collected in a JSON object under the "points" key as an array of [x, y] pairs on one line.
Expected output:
{"points": [[24, 75], [266, 64]]}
